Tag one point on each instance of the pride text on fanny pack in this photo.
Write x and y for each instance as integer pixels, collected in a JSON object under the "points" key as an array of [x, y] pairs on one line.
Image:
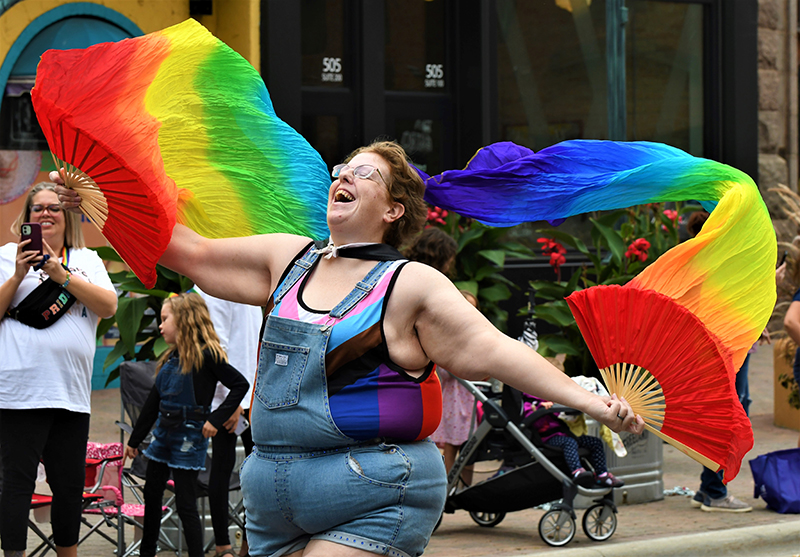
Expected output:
{"points": [[56, 307]]}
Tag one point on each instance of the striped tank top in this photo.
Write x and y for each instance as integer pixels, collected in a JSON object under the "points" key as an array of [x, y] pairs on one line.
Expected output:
{"points": [[370, 396]]}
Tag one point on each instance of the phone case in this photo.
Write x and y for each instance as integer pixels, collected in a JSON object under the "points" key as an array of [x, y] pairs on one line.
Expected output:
{"points": [[32, 231]]}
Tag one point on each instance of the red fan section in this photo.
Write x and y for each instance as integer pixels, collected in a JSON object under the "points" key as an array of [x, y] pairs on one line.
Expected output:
{"points": [[141, 198], [645, 328]]}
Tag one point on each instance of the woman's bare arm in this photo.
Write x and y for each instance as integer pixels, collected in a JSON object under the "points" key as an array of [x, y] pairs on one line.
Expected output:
{"points": [[791, 322], [236, 269], [459, 338]]}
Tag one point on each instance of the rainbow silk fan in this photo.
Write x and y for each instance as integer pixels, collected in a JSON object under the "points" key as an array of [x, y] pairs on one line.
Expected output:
{"points": [[672, 339], [175, 126]]}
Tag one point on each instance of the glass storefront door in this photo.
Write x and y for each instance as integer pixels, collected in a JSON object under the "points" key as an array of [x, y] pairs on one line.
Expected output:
{"points": [[328, 70], [418, 80]]}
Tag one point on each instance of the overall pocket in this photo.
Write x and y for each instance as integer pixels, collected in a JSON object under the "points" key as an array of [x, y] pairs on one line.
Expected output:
{"points": [[278, 383]]}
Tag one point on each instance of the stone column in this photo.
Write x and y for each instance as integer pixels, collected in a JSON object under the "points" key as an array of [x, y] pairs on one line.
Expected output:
{"points": [[778, 106]]}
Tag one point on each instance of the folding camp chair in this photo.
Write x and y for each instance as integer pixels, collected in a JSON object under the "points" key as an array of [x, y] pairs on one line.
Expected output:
{"points": [[40, 505]]}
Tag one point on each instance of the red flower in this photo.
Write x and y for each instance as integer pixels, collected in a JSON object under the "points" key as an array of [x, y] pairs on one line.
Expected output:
{"points": [[638, 249], [670, 214], [437, 215], [555, 250]]}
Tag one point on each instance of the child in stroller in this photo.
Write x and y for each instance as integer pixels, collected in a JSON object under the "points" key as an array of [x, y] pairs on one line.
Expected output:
{"points": [[554, 433], [534, 473]]}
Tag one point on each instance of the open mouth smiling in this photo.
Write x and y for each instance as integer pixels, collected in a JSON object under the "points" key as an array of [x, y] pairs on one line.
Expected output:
{"points": [[342, 196]]}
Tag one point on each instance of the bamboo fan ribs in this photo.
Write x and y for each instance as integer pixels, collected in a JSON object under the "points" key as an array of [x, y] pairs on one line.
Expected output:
{"points": [[640, 389], [670, 368], [93, 203]]}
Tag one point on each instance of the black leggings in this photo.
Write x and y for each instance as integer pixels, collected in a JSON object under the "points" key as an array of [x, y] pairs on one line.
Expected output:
{"points": [[186, 502], [58, 438], [570, 445], [223, 459]]}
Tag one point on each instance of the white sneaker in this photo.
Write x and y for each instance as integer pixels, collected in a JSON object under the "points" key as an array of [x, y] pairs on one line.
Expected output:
{"points": [[729, 504]]}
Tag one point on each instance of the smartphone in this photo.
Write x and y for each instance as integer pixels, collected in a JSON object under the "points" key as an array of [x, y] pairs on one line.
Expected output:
{"points": [[783, 258], [32, 231], [241, 425]]}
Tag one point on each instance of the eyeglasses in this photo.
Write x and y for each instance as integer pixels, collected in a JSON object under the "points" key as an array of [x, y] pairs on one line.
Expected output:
{"points": [[363, 171], [53, 209]]}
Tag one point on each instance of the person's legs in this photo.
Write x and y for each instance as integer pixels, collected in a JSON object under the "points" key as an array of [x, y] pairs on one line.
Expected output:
{"points": [[711, 486], [570, 447], [743, 385], [247, 443], [64, 460], [449, 452], [23, 434], [155, 483], [223, 458], [186, 501], [597, 455], [714, 495]]}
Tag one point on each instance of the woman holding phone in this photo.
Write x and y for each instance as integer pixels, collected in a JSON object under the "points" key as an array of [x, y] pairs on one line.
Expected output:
{"points": [[50, 302]]}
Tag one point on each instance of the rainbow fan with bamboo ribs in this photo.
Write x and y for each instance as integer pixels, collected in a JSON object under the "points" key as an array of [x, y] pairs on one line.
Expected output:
{"points": [[176, 126], [673, 338]]}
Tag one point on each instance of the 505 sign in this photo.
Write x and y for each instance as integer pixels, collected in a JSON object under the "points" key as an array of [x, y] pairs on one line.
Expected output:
{"points": [[332, 69], [434, 75]]}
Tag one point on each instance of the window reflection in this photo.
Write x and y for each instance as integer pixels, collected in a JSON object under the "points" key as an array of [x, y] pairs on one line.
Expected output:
{"points": [[551, 71], [322, 132], [665, 74], [421, 138]]}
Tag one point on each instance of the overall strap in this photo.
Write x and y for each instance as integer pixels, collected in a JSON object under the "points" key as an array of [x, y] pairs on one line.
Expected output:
{"points": [[361, 290], [301, 266]]}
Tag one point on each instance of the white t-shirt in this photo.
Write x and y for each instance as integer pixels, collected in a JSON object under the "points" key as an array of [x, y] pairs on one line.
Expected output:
{"points": [[237, 326], [52, 367]]}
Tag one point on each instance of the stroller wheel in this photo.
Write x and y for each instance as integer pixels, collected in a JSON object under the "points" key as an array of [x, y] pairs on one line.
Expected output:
{"points": [[557, 527], [599, 522], [487, 520]]}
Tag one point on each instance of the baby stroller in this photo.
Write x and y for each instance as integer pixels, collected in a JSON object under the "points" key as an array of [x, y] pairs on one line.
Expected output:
{"points": [[537, 473]]}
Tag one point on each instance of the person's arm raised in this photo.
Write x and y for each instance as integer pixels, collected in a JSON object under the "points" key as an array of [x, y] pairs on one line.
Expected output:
{"points": [[460, 339], [236, 269]]}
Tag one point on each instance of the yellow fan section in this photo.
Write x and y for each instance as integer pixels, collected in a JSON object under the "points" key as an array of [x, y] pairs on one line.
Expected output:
{"points": [[646, 397], [93, 202]]}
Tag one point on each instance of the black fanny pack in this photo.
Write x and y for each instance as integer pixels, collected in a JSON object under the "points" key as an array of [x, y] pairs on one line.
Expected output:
{"points": [[171, 418], [44, 306]]}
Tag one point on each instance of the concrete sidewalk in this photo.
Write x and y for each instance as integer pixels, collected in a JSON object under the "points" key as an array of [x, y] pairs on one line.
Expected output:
{"points": [[662, 528]]}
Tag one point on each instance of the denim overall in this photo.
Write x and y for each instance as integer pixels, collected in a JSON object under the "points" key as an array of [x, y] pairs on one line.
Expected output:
{"points": [[183, 446], [308, 480]]}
